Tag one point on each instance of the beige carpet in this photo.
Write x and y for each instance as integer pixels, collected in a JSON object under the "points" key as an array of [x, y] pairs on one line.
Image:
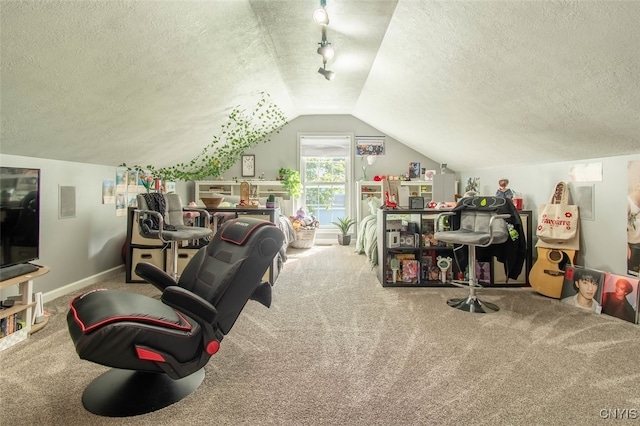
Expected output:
{"points": [[336, 348]]}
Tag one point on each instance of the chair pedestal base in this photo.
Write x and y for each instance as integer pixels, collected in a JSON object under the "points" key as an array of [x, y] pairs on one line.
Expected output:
{"points": [[473, 304], [123, 393]]}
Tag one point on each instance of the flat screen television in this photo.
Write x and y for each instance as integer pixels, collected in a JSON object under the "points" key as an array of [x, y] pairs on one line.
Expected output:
{"points": [[19, 216]]}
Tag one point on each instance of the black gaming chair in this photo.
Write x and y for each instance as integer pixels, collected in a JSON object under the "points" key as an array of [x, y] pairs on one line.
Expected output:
{"points": [[157, 348]]}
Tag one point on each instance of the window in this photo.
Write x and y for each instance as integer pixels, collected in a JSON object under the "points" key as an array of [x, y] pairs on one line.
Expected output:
{"points": [[325, 172]]}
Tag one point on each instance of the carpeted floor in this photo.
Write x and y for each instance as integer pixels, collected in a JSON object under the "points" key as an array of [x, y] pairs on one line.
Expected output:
{"points": [[336, 348]]}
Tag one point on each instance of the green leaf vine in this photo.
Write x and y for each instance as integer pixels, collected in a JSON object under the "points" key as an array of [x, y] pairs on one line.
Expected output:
{"points": [[241, 131]]}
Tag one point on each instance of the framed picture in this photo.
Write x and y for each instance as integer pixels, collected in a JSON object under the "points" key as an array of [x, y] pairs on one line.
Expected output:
{"points": [[414, 170], [248, 165]]}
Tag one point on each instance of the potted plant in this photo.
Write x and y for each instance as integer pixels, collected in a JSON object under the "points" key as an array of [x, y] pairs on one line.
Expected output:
{"points": [[290, 181], [344, 224]]}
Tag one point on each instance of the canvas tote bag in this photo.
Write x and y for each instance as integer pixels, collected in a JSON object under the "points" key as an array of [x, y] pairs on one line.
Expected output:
{"points": [[558, 221]]}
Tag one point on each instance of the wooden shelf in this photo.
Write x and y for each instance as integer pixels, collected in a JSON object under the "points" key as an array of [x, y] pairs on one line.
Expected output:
{"points": [[24, 307], [39, 326], [21, 278]]}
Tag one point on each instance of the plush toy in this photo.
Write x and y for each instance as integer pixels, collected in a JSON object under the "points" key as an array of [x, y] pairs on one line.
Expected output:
{"points": [[300, 214]]}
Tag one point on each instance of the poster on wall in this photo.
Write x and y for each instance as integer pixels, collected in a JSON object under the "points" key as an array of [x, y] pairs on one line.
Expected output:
{"points": [[633, 222], [108, 191], [370, 145]]}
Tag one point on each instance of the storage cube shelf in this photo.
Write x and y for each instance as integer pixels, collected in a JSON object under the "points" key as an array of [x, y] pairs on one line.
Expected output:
{"points": [[408, 254], [151, 250]]}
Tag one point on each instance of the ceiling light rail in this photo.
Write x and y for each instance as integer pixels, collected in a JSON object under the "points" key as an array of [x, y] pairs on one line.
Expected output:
{"points": [[325, 50]]}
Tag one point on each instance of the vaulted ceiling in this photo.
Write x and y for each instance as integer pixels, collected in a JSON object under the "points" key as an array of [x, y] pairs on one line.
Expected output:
{"points": [[467, 83]]}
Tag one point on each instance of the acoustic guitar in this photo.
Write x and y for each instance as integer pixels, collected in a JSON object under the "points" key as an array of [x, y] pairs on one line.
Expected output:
{"points": [[547, 274]]}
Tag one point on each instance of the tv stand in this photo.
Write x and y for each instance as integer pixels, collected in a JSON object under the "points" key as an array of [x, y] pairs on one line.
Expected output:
{"points": [[17, 270], [21, 313]]}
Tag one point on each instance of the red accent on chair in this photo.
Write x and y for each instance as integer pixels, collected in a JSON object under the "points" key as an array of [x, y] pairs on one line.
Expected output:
{"points": [[213, 347], [147, 355]]}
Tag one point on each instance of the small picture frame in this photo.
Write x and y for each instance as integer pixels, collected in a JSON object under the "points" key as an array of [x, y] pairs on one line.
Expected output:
{"points": [[414, 170], [248, 165], [416, 203]]}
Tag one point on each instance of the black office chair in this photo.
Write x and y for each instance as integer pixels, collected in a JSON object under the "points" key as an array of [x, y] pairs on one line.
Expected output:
{"points": [[157, 348], [475, 222], [160, 216]]}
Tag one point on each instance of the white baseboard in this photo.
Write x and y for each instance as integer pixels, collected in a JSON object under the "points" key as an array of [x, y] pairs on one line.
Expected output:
{"points": [[79, 285]]}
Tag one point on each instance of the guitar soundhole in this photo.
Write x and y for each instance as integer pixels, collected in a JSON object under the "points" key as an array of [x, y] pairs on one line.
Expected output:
{"points": [[555, 256]]}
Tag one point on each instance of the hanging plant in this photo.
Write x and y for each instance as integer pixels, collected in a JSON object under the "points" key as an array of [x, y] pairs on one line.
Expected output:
{"points": [[242, 131]]}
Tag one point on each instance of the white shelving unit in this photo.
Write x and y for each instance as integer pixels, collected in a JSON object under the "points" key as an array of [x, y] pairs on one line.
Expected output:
{"points": [[259, 189], [368, 189], [23, 308]]}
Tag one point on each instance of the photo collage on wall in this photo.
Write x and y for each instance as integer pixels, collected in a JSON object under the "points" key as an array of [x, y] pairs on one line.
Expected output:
{"points": [[131, 183], [601, 292]]}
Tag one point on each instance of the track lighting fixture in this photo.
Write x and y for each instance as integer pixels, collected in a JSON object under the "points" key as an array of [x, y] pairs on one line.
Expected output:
{"points": [[326, 73], [325, 49]]}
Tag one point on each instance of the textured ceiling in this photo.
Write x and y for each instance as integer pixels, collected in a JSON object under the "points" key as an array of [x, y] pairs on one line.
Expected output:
{"points": [[467, 83]]}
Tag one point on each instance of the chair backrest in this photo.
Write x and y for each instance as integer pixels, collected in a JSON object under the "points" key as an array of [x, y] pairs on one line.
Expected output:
{"points": [[476, 214], [173, 214], [229, 269]]}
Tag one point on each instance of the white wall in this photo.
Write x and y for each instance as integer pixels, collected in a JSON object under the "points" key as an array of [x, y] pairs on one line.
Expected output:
{"points": [[602, 240], [80, 250], [282, 150], [76, 249]]}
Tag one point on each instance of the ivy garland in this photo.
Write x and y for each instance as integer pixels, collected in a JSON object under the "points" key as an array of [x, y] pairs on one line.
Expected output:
{"points": [[241, 131]]}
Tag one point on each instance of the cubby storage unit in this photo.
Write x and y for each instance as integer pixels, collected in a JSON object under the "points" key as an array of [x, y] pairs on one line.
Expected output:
{"points": [[406, 244], [140, 249], [405, 237], [21, 313]]}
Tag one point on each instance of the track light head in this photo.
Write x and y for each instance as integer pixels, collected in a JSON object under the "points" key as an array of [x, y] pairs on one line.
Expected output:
{"points": [[326, 50], [321, 16], [326, 73]]}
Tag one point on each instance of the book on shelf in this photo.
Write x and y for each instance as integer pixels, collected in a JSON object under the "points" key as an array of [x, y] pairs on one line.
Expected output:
{"points": [[426, 262], [410, 271], [483, 272]]}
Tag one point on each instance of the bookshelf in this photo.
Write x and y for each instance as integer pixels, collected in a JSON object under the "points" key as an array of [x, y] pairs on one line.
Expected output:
{"points": [[22, 311]]}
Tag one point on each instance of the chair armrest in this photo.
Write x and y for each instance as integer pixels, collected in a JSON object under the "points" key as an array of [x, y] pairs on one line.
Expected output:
{"points": [[154, 275], [203, 212], [491, 220], [440, 216], [145, 231], [203, 312]]}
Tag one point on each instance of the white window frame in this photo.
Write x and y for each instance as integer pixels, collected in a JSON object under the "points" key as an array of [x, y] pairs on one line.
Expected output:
{"points": [[349, 203]]}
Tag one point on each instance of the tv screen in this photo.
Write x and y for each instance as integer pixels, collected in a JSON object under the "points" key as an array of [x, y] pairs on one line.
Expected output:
{"points": [[19, 215]]}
